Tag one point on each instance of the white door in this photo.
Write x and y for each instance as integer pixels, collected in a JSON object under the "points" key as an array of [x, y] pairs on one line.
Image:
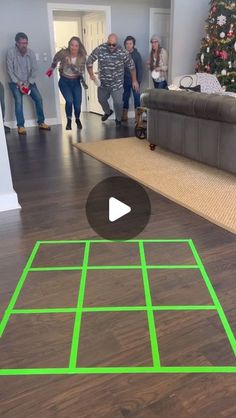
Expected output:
{"points": [[160, 25], [93, 35]]}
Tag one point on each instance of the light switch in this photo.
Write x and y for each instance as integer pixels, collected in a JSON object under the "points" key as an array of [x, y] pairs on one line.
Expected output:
{"points": [[37, 56], [45, 57]]}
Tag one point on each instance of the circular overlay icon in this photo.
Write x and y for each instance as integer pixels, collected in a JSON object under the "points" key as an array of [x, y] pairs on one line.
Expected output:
{"points": [[118, 208]]}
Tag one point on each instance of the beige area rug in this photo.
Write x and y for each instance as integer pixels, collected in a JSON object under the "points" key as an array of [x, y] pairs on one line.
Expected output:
{"points": [[209, 192]]}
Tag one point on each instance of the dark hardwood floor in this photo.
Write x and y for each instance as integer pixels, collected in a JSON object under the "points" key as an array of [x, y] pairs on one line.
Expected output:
{"points": [[53, 180]]}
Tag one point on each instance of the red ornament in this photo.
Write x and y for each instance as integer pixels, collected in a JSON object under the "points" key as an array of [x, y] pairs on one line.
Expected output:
{"points": [[217, 52], [224, 55], [230, 34], [213, 8], [207, 68]]}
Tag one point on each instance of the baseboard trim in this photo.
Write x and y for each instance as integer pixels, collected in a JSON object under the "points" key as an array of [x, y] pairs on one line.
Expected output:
{"points": [[9, 201], [30, 123]]}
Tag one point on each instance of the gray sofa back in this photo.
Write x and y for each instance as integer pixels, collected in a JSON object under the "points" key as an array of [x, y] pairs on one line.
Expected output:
{"points": [[197, 125]]}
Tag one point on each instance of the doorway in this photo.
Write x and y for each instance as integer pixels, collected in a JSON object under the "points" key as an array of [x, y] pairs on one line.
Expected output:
{"points": [[92, 24]]}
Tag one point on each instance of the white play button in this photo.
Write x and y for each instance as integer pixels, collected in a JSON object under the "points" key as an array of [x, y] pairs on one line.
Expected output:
{"points": [[117, 209]]}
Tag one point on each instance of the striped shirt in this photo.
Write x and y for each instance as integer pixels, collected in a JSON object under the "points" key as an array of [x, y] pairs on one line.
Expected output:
{"points": [[111, 65]]}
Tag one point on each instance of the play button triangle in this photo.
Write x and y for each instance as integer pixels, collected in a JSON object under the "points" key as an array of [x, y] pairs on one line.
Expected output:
{"points": [[117, 209]]}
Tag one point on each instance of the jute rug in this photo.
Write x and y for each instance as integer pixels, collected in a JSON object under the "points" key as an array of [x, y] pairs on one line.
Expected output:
{"points": [[209, 192]]}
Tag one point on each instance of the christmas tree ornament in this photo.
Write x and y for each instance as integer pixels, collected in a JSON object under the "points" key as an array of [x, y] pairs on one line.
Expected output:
{"points": [[230, 64], [224, 55], [222, 35], [208, 49], [230, 34], [223, 72], [221, 20], [202, 58]]}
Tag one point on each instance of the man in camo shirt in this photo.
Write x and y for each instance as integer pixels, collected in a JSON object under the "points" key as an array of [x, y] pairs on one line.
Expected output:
{"points": [[112, 60]]}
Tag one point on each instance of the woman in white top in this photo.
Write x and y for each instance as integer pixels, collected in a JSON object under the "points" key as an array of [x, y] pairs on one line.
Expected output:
{"points": [[158, 63]]}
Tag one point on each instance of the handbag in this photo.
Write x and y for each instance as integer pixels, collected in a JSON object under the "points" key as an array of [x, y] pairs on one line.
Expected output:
{"points": [[189, 88]]}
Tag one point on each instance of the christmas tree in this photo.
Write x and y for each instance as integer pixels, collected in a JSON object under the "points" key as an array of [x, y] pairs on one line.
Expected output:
{"points": [[218, 49]]}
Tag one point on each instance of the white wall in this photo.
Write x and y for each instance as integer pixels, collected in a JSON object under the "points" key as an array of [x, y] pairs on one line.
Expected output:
{"points": [[187, 29], [8, 197]]}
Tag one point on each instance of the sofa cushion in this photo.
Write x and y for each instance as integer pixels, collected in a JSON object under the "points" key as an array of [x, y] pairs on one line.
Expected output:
{"points": [[201, 105]]}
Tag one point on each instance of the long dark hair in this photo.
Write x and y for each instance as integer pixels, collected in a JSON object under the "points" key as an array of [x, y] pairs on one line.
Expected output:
{"points": [[82, 51], [155, 54]]}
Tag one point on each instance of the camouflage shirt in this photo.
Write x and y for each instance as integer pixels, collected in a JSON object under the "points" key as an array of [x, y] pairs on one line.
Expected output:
{"points": [[111, 65]]}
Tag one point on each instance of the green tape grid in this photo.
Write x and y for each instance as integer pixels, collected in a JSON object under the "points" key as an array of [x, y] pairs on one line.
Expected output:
{"points": [[18, 288], [78, 268], [150, 314], [214, 297], [114, 309], [150, 309], [118, 370], [78, 316]]}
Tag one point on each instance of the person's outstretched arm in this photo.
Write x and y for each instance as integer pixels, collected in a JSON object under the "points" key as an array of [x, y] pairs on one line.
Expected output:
{"points": [[56, 59]]}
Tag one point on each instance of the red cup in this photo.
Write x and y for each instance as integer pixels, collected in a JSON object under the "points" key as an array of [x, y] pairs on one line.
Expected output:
{"points": [[49, 72], [26, 90]]}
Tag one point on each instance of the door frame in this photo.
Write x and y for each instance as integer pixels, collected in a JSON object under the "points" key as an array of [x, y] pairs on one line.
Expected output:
{"points": [[162, 11], [91, 16], [53, 7]]}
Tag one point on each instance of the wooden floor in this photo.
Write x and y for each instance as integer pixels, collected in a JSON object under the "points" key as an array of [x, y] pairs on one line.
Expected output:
{"points": [[53, 180]]}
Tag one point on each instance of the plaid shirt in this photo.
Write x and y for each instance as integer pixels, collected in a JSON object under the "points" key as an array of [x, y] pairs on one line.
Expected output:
{"points": [[20, 68], [111, 65]]}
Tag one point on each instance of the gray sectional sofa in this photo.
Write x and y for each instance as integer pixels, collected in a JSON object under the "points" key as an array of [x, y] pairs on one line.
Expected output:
{"points": [[199, 126]]}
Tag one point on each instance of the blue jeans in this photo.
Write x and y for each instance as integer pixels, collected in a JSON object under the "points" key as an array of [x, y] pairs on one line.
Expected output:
{"points": [[160, 84], [72, 93], [126, 96], [2, 99], [18, 97]]}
